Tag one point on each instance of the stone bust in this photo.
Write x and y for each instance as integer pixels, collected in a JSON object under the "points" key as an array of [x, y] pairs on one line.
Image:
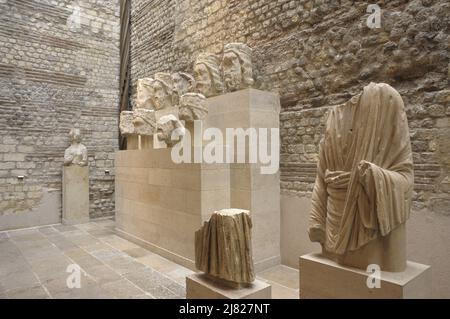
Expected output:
{"points": [[76, 153], [237, 66], [362, 195], [207, 75]]}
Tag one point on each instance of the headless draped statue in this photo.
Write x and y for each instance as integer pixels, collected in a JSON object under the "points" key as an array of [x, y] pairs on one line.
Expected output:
{"points": [[76, 153], [362, 195]]}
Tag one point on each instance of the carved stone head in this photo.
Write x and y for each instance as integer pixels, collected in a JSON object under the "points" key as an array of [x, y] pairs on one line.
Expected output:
{"points": [[207, 75], [145, 92], [182, 83], [76, 153], [170, 130], [75, 135], [237, 66], [193, 107], [162, 91]]}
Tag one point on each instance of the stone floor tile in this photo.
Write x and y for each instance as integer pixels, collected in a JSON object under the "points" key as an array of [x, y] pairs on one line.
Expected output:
{"points": [[58, 288], [88, 226], [101, 232], [95, 246], [122, 289], [283, 275], [18, 279], [179, 275], [65, 228], [51, 268], [162, 292], [83, 240], [88, 262], [107, 253], [36, 292], [102, 274], [105, 222], [137, 252], [22, 232], [123, 265], [47, 230], [118, 242], [31, 237], [158, 263]]}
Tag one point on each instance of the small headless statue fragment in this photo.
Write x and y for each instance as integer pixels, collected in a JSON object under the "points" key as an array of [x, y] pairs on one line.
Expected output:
{"points": [[76, 153]]}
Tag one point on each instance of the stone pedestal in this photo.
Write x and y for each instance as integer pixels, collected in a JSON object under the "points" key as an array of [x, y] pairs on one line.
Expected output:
{"points": [[75, 201], [161, 204], [251, 190], [199, 286], [323, 278]]}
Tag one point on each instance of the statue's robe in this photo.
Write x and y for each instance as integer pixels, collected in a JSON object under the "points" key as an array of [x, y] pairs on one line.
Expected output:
{"points": [[364, 177]]}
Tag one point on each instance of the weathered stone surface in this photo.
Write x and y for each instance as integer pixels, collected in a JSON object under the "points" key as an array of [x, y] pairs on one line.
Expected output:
{"points": [[169, 130], [144, 122], [223, 246], [362, 195], [126, 125], [162, 91], [145, 93], [237, 66], [193, 107], [182, 83], [75, 195], [139, 122], [208, 75], [76, 153]]}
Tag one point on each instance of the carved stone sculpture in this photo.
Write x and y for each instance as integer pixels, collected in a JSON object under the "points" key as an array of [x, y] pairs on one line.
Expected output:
{"points": [[145, 93], [139, 121], [170, 130], [223, 247], [182, 83], [207, 75], [362, 195], [162, 91], [237, 66], [193, 107], [76, 153]]}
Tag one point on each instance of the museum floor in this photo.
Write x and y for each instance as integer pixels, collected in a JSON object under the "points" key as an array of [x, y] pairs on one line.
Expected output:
{"points": [[33, 264]]}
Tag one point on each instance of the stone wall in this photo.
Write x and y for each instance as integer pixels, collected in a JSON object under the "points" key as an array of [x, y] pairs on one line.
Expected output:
{"points": [[316, 54], [59, 64]]}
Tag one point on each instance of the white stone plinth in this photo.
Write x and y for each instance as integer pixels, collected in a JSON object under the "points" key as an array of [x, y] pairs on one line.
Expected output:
{"points": [[324, 278], [75, 195], [199, 286]]}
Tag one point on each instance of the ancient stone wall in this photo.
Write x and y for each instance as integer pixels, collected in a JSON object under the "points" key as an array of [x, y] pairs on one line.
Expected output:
{"points": [[315, 54], [59, 64]]}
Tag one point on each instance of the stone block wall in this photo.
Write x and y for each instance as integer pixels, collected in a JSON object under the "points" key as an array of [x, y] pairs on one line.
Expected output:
{"points": [[315, 54], [59, 66]]}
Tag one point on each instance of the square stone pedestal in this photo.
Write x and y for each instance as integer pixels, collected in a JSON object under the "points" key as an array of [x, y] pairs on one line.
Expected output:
{"points": [[75, 200], [199, 286], [324, 278]]}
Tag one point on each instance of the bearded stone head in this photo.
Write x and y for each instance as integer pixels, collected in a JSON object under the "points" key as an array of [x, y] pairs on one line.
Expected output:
{"points": [[162, 91], [207, 75], [237, 66]]}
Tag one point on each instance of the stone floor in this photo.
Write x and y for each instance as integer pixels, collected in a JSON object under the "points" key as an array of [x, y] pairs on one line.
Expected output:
{"points": [[34, 264]]}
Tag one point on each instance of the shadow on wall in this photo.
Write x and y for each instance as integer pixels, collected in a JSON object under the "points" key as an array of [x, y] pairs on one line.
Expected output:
{"points": [[428, 239]]}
